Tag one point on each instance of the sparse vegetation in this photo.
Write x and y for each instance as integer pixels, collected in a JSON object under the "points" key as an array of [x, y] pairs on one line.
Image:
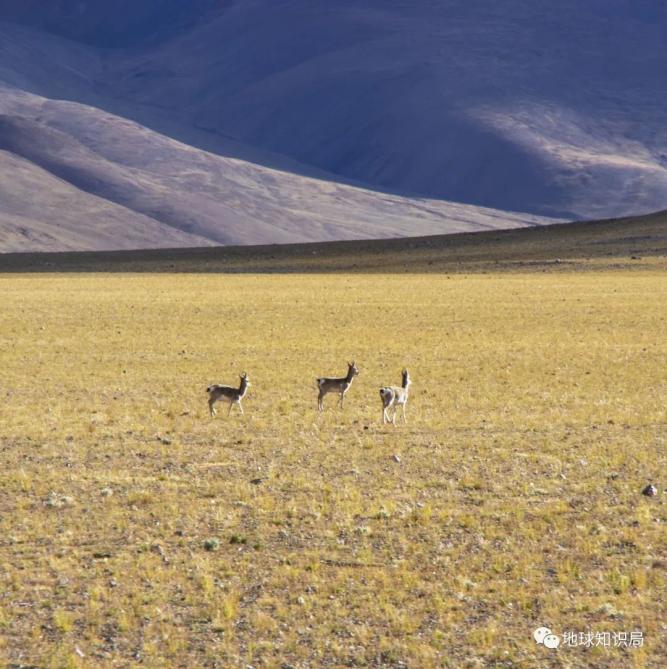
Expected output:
{"points": [[639, 242], [512, 499]]}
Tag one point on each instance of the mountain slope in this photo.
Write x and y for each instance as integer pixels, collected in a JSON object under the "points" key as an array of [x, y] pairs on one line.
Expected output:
{"points": [[41, 212], [189, 197], [261, 122], [527, 105], [117, 23]]}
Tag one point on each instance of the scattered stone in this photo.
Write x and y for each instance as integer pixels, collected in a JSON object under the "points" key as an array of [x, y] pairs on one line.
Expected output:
{"points": [[57, 501], [113, 583], [609, 610], [156, 548], [301, 601], [106, 492], [164, 440], [79, 652], [650, 491], [211, 544], [259, 480], [396, 458]]}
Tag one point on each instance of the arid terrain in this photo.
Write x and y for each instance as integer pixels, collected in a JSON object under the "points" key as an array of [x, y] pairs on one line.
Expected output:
{"points": [[136, 530], [635, 242], [196, 193]]}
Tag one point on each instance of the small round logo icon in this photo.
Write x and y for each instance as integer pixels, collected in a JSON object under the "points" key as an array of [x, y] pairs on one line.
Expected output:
{"points": [[545, 637], [551, 641], [540, 633]]}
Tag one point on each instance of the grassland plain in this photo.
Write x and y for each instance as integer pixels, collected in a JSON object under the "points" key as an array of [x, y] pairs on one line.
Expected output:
{"points": [[132, 534]]}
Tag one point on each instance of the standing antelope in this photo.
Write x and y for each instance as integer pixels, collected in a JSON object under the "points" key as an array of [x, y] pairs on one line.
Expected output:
{"points": [[393, 396], [340, 386], [228, 394]]}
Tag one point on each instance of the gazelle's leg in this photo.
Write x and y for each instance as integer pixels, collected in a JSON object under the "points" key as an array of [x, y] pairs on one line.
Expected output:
{"points": [[393, 418], [342, 397], [320, 402], [240, 407], [405, 420], [231, 404], [211, 409]]}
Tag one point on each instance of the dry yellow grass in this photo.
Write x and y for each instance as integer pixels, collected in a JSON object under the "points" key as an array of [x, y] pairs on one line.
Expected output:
{"points": [[538, 414]]}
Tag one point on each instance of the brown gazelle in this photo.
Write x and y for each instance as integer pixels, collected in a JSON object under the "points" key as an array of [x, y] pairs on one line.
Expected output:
{"points": [[393, 396], [340, 386], [228, 394]]}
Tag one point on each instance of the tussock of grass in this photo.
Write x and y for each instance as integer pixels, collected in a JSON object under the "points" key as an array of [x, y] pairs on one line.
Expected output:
{"points": [[536, 417]]}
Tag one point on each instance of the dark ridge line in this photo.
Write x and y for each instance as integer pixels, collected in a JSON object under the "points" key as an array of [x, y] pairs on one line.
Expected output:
{"points": [[581, 239]]}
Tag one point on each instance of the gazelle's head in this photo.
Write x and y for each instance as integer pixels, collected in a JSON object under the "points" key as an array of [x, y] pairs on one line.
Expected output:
{"points": [[245, 379], [406, 378], [352, 369]]}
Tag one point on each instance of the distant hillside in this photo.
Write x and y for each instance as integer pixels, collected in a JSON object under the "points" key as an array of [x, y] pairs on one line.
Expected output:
{"points": [[75, 178], [630, 243], [255, 121], [525, 105], [109, 24]]}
